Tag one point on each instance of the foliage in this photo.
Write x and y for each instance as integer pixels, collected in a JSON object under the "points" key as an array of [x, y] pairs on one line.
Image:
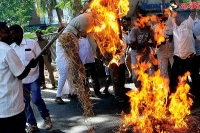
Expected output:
{"points": [[29, 35], [188, 1], [73, 5], [50, 29], [16, 11], [44, 6]]}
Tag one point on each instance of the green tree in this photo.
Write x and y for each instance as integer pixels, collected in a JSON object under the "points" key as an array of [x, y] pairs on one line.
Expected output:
{"points": [[44, 6], [73, 5], [16, 11]]}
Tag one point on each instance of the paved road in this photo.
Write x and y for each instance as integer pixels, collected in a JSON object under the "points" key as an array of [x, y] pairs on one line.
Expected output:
{"points": [[68, 118]]}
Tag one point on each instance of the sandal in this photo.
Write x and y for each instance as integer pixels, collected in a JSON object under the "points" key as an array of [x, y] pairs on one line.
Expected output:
{"points": [[59, 100]]}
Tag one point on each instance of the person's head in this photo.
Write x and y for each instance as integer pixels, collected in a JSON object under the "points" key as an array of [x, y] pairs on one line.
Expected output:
{"points": [[4, 33], [142, 21], [126, 22], [159, 18], [39, 34], [83, 34], [16, 33], [181, 16], [166, 13]]}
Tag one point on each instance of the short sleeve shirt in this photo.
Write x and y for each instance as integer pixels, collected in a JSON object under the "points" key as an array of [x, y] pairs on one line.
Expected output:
{"points": [[11, 91], [140, 36], [183, 39], [42, 43], [28, 50]]}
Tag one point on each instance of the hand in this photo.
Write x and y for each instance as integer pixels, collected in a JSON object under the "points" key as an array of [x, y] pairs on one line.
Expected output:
{"points": [[33, 63], [170, 38]]}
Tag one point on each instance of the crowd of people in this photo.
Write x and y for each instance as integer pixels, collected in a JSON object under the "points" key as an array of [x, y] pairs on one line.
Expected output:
{"points": [[23, 75]]}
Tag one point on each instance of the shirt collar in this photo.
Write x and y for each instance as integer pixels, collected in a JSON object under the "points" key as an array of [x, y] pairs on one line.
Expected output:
{"points": [[14, 45], [23, 41]]}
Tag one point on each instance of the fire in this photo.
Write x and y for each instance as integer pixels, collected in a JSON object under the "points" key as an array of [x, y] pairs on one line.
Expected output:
{"points": [[152, 106], [159, 33], [107, 30], [181, 101]]}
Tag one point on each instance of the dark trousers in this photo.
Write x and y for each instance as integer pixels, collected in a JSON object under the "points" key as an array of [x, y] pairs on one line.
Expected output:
{"points": [[179, 68], [118, 78], [41, 71], [13, 124], [91, 72]]}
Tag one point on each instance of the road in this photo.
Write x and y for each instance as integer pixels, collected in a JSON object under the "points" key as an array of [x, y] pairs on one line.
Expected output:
{"points": [[68, 118]]}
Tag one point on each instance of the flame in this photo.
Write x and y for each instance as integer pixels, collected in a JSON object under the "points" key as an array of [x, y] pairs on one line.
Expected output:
{"points": [[181, 101], [107, 29], [159, 33], [152, 106]]}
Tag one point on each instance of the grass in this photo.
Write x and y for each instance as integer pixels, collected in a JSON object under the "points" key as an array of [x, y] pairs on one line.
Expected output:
{"points": [[29, 35]]}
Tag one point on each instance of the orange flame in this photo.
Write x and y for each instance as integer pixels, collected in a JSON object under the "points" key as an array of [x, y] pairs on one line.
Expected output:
{"points": [[106, 31], [150, 107], [159, 33]]}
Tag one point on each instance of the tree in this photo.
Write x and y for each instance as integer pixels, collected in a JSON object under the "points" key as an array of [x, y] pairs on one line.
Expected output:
{"points": [[16, 11], [44, 6], [73, 5]]}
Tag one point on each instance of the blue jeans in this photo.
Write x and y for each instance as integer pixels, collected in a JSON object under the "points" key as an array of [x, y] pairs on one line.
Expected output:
{"points": [[33, 89]]}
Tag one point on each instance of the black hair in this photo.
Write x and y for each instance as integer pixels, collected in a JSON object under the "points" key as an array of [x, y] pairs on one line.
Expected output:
{"points": [[184, 13], [16, 28], [39, 31], [2, 24], [159, 15], [126, 18]]}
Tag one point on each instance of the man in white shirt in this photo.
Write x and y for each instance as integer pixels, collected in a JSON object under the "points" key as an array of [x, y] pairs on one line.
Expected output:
{"points": [[12, 116], [27, 49], [184, 50], [165, 50], [87, 58]]}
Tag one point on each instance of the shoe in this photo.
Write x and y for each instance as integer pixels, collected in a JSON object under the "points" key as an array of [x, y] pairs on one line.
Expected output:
{"points": [[53, 86], [43, 86], [32, 129], [59, 100], [48, 123]]}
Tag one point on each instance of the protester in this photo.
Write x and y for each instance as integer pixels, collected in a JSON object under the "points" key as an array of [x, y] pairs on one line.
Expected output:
{"points": [[165, 50], [87, 58], [63, 70], [117, 72], [46, 59], [126, 24], [140, 37], [196, 31], [27, 49], [12, 116], [184, 51], [108, 81]]}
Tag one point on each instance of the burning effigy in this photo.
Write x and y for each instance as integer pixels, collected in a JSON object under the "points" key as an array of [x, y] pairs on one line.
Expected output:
{"points": [[102, 19]]}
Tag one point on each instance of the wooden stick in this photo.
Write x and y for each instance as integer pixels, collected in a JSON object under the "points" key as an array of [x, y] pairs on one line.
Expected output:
{"points": [[59, 33]]}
